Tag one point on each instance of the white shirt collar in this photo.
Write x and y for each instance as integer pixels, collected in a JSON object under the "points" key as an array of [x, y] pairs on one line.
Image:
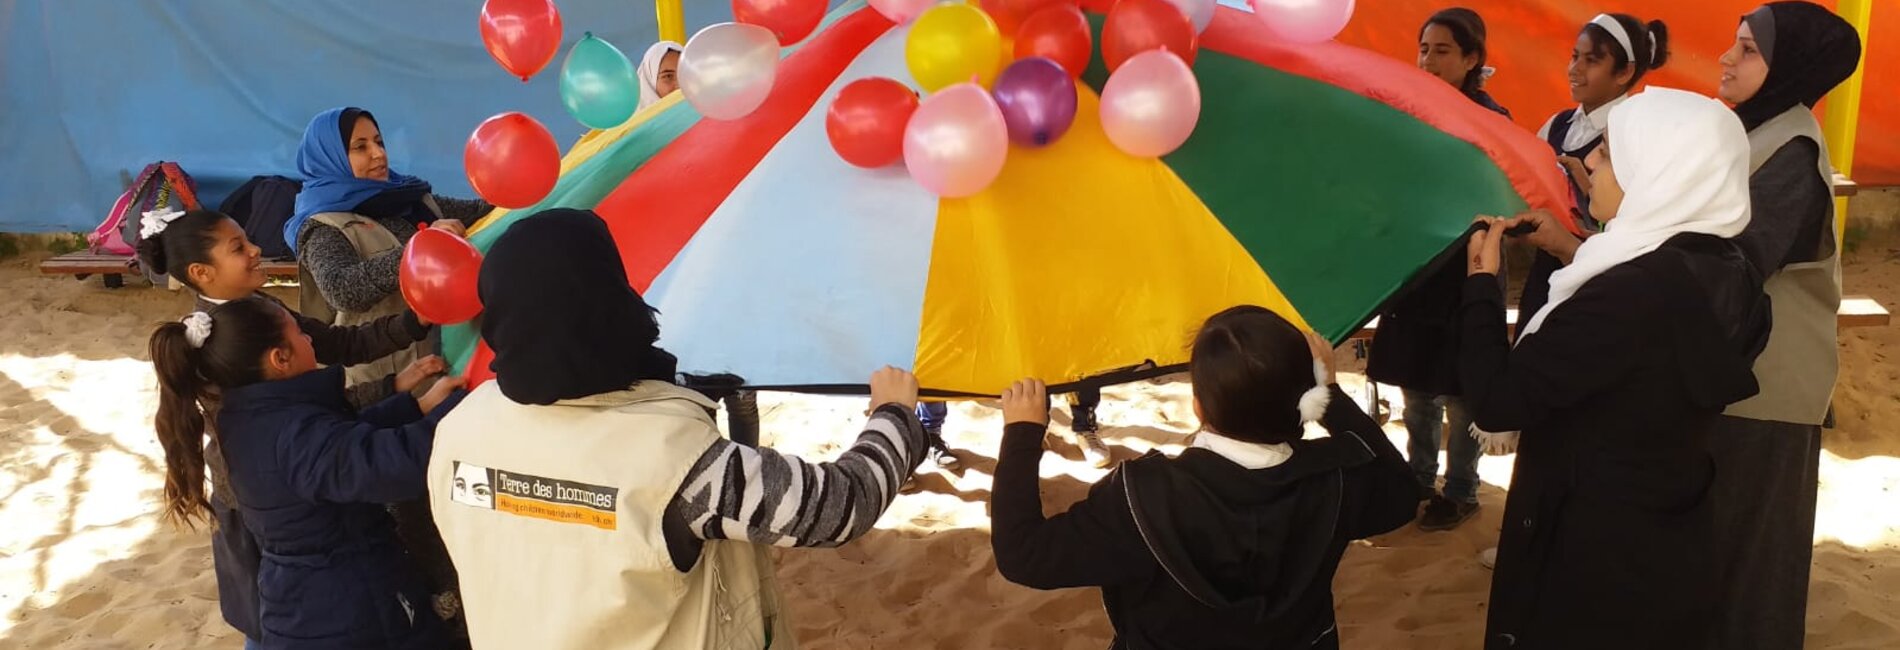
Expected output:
{"points": [[211, 300], [1593, 124], [1251, 455]]}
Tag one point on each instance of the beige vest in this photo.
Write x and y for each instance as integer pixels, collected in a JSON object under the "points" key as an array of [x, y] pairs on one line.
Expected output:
{"points": [[370, 239], [1797, 370], [561, 546]]}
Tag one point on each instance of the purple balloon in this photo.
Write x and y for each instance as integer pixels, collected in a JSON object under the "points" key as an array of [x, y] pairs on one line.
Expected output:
{"points": [[1038, 101]]}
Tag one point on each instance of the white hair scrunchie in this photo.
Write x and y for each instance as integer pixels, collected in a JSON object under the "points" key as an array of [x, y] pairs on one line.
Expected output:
{"points": [[197, 328], [153, 222], [1314, 402]]}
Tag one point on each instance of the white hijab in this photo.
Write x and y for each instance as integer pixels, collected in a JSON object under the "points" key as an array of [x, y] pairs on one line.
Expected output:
{"points": [[649, 71], [1682, 160]]}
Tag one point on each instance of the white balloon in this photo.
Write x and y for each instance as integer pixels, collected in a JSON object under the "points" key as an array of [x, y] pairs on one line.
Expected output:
{"points": [[1199, 11], [728, 69]]}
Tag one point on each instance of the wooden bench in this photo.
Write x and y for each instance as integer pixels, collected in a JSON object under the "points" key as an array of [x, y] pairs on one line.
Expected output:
{"points": [[114, 268]]}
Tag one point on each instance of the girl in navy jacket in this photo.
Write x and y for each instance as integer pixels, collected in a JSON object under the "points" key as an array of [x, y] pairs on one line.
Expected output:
{"points": [[308, 472]]}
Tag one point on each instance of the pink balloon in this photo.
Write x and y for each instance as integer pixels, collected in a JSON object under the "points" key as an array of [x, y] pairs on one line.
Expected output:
{"points": [[956, 141], [1303, 21], [1151, 104], [901, 11], [1200, 12]]}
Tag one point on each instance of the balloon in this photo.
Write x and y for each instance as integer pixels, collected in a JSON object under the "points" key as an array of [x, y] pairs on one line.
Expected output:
{"points": [[956, 142], [597, 84], [866, 121], [522, 35], [438, 277], [1060, 33], [1136, 26], [1201, 12], [511, 160], [1037, 98], [951, 44], [1000, 13], [728, 69], [790, 20], [1150, 105], [1303, 21], [901, 11]]}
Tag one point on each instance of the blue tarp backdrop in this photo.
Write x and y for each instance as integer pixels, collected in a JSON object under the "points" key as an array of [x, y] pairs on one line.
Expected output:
{"points": [[91, 90]]}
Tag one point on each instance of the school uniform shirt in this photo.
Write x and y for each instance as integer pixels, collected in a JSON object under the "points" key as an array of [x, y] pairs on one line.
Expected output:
{"points": [[1585, 131], [1229, 545]]}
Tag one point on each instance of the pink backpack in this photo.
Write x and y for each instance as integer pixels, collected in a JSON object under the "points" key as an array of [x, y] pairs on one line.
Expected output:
{"points": [[161, 185]]}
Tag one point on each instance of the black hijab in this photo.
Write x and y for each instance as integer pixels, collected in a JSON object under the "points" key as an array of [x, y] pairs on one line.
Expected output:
{"points": [[560, 315], [1809, 51]]}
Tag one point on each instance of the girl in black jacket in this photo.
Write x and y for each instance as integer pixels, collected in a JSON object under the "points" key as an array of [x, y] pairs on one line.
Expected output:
{"points": [[1233, 543]]}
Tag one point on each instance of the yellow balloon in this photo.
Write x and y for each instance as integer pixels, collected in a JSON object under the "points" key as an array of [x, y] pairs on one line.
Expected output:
{"points": [[951, 43]]}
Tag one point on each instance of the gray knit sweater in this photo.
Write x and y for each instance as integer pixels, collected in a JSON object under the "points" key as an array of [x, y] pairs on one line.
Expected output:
{"points": [[353, 283]]}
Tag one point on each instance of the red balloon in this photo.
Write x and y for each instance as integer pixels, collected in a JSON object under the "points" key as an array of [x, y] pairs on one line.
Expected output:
{"points": [[438, 277], [512, 160], [1136, 26], [866, 121], [790, 20], [1003, 12], [522, 35], [1059, 33]]}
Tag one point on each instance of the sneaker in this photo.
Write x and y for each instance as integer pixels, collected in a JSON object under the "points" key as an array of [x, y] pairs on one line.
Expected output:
{"points": [[945, 458], [1094, 449], [1445, 514], [1426, 492], [1489, 558]]}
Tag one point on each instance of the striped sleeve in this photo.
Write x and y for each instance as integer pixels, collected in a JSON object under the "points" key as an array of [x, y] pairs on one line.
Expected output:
{"points": [[766, 497]]}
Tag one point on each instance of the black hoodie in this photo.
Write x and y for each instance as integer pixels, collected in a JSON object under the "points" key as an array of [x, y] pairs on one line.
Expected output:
{"points": [[1196, 551]]}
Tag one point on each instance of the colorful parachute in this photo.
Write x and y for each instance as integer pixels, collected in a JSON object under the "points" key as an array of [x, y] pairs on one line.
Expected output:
{"points": [[1319, 181]]}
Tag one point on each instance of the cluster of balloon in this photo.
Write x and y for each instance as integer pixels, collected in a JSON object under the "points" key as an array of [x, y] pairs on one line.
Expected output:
{"points": [[511, 159], [438, 275], [955, 141]]}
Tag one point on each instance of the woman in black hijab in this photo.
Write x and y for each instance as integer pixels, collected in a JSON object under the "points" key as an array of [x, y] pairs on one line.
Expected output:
{"points": [[577, 291], [1786, 57]]}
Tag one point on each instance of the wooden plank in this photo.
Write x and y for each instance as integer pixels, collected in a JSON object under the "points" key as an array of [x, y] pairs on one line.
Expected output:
{"points": [[1856, 311], [85, 264], [1844, 186], [1862, 311]]}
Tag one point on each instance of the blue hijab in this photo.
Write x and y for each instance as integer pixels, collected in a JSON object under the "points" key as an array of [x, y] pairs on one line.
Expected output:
{"points": [[329, 184]]}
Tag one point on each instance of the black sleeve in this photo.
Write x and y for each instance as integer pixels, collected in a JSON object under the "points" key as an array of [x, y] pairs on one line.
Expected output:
{"points": [[349, 345], [1791, 206], [1391, 490], [370, 392], [1593, 339], [1094, 543]]}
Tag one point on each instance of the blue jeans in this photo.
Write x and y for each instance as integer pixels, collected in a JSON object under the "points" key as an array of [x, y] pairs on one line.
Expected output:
{"points": [[1425, 416], [251, 644], [932, 414]]}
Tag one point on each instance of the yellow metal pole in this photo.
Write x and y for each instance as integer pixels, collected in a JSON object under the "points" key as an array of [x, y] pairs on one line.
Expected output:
{"points": [[672, 21], [1842, 121]]}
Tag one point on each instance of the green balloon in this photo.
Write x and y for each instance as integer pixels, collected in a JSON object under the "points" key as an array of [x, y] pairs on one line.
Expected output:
{"points": [[598, 85]]}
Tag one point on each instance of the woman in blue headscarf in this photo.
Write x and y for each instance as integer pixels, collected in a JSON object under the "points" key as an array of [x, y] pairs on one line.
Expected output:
{"points": [[351, 221]]}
